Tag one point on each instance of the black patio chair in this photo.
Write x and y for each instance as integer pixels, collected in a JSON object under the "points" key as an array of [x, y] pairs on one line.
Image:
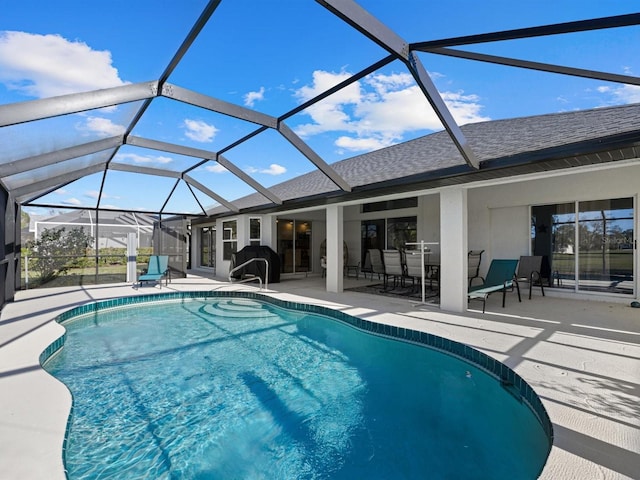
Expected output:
{"points": [[474, 257], [529, 268]]}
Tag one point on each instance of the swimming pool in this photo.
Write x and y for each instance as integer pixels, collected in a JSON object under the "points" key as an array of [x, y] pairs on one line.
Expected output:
{"points": [[239, 386]]}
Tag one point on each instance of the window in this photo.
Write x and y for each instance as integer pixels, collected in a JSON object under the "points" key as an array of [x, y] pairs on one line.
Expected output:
{"points": [[410, 202], [372, 233], [229, 239], [401, 231], [255, 233]]}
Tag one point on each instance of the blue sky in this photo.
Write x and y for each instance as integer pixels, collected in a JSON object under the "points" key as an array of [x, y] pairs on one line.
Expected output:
{"points": [[271, 56]]}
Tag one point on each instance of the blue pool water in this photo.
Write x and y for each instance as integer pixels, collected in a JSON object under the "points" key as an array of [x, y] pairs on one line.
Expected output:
{"points": [[240, 389]]}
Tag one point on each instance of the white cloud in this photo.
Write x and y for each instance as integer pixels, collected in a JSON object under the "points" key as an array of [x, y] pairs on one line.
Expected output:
{"points": [[623, 94], [274, 169], [72, 201], [215, 168], [464, 108], [60, 191], [360, 144], [252, 97], [132, 157], [95, 194], [49, 65], [323, 81], [199, 131], [378, 110], [103, 127]]}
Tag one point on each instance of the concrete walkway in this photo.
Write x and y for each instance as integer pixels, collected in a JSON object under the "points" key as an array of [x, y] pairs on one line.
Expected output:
{"points": [[581, 357]]}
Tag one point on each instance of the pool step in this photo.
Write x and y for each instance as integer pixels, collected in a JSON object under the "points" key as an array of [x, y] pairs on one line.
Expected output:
{"points": [[237, 309]]}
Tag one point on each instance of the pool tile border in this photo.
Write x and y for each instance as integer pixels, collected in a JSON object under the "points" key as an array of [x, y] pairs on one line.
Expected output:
{"points": [[509, 379]]}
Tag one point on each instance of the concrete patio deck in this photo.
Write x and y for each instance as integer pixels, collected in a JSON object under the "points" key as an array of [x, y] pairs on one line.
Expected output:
{"points": [[581, 357]]}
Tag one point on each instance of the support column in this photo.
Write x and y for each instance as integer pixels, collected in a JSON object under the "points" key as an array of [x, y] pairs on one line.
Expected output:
{"points": [[10, 244], [453, 250], [335, 260], [132, 254], [269, 232]]}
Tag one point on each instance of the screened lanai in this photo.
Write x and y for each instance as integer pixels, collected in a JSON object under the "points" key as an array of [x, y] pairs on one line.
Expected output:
{"points": [[179, 112]]}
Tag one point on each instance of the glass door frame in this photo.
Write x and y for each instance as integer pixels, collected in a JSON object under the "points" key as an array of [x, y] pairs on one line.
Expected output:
{"points": [[635, 222], [210, 236], [295, 252]]}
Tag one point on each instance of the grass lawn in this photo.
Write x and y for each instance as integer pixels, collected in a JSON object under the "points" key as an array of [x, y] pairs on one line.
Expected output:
{"points": [[591, 263], [82, 276]]}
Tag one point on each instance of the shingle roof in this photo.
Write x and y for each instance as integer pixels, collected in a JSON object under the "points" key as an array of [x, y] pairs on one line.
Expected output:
{"points": [[434, 153]]}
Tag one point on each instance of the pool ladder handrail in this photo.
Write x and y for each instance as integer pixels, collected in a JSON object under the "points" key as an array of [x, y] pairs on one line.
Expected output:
{"points": [[252, 277]]}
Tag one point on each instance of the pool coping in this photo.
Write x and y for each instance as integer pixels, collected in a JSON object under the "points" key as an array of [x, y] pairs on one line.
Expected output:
{"points": [[513, 383]]}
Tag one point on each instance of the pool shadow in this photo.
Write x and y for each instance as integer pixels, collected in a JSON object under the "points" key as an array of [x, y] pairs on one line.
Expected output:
{"points": [[291, 422]]}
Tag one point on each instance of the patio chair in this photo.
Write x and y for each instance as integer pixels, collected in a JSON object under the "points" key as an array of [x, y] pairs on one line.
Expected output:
{"points": [[474, 257], [373, 263], [393, 267], [529, 268], [499, 278], [352, 269], [415, 268], [157, 269]]}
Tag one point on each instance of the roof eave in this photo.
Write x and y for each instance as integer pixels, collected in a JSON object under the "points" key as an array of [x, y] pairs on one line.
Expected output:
{"points": [[612, 148]]}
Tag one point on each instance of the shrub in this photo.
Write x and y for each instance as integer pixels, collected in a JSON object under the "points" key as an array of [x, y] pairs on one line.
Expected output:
{"points": [[56, 251]]}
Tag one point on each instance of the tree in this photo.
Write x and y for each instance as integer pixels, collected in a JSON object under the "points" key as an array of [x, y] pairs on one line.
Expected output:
{"points": [[54, 251], [24, 219]]}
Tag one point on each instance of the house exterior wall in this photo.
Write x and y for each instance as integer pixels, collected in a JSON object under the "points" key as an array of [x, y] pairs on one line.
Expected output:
{"points": [[318, 234], [352, 233], [499, 215], [429, 222]]}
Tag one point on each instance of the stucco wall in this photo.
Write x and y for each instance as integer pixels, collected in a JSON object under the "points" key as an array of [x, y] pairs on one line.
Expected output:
{"points": [[498, 215], [499, 219]]}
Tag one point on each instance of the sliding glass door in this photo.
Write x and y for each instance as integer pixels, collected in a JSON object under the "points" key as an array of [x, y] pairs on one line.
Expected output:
{"points": [[605, 248], [294, 245], [372, 236], [208, 247], [587, 245]]}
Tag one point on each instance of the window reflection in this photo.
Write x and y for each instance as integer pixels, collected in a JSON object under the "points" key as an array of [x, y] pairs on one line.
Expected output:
{"points": [[208, 247], [588, 245], [606, 245], [229, 239], [294, 245]]}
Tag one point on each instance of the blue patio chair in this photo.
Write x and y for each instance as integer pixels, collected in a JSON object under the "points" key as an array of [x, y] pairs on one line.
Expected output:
{"points": [[157, 269], [499, 278]]}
